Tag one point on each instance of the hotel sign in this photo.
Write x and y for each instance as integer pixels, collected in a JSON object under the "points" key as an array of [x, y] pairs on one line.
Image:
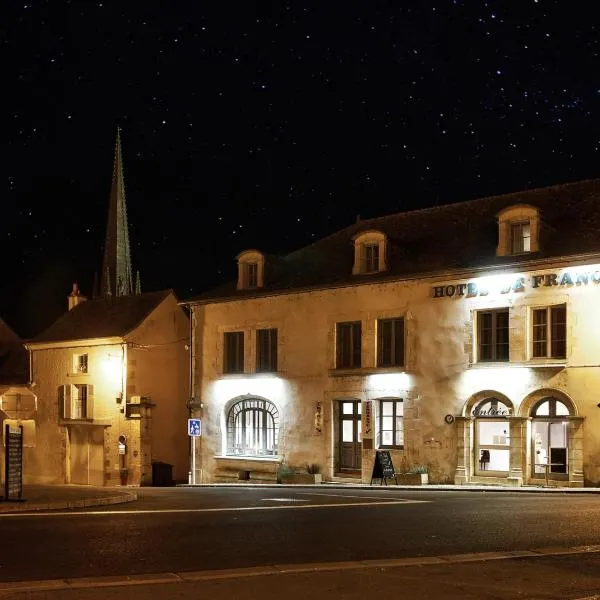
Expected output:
{"points": [[518, 284]]}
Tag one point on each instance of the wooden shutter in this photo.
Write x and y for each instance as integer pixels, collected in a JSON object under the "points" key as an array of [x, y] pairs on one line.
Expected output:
{"points": [[89, 410], [64, 392]]}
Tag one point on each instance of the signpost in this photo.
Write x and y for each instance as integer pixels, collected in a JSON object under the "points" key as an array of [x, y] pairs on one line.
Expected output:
{"points": [[194, 431], [13, 464]]}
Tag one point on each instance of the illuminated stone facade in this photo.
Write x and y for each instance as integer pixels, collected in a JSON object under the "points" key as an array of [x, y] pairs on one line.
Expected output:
{"points": [[475, 355], [108, 369]]}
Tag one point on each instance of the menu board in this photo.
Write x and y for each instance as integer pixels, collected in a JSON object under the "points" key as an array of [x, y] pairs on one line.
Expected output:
{"points": [[13, 463]]}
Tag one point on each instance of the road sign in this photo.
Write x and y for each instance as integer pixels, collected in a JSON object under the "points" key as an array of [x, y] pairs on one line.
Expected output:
{"points": [[194, 427]]}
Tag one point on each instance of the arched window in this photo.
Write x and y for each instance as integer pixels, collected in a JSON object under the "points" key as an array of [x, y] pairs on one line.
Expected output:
{"points": [[550, 439], [492, 437], [252, 428]]}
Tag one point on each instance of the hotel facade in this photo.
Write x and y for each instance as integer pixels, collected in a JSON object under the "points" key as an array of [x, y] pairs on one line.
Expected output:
{"points": [[464, 339]]}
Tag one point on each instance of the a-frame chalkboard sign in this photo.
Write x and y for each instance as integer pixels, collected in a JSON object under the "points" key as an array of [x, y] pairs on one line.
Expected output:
{"points": [[383, 468], [13, 464]]}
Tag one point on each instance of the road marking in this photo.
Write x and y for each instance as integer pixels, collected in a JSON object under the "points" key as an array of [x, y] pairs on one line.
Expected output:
{"points": [[205, 510], [350, 496], [222, 574], [284, 500]]}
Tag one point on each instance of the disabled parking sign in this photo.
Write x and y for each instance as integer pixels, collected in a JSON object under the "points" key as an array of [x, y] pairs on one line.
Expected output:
{"points": [[194, 427]]}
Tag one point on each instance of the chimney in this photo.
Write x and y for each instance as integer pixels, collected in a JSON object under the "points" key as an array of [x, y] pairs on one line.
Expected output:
{"points": [[357, 219], [75, 297]]}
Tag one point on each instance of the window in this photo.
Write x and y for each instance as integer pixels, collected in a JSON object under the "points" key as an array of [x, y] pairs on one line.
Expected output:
{"points": [[520, 237], [266, 350], [371, 252], [492, 436], [80, 363], [76, 401], [252, 428], [493, 335], [549, 332], [348, 345], [251, 275], [391, 424], [550, 439], [233, 361], [390, 342]]}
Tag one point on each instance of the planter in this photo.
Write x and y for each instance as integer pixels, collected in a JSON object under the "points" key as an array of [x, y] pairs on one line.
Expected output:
{"points": [[412, 478], [301, 478]]}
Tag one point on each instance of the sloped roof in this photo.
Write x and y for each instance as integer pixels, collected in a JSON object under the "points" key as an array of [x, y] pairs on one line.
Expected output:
{"points": [[443, 238], [14, 359], [102, 318]]}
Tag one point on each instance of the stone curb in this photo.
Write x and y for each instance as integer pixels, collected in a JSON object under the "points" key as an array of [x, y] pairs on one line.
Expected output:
{"points": [[8, 507], [270, 570], [428, 487]]}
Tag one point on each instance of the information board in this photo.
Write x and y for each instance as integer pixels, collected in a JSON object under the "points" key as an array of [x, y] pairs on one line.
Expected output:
{"points": [[383, 468], [13, 463]]}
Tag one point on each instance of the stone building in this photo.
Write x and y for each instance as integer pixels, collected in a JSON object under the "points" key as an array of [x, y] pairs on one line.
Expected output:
{"points": [[461, 338], [111, 376]]}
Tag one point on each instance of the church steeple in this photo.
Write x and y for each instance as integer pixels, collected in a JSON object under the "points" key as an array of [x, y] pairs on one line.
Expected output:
{"points": [[117, 278]]}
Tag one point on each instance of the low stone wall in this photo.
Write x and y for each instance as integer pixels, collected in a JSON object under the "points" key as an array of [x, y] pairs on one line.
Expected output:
{"points": [[229, 469]]}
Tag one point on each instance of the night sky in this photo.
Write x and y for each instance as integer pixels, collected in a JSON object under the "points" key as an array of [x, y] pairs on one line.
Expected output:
{"points": [[270, 124]]}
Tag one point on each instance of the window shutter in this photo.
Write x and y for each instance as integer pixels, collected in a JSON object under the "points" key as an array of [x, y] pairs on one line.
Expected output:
{"points": [[273, 350], [66, 401], [89, 410]]}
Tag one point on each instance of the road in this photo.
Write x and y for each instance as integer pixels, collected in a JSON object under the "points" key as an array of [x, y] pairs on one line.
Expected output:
{"points": [[192, 529]]}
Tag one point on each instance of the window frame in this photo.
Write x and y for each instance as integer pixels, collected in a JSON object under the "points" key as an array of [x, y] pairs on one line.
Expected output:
{"points": [[266, 350], [232, 367], [354, 351], [370, 251], [261, 412], [397, 342], [524, 240], [494, 344], [397, 432], [250, 275], [547, 328]]}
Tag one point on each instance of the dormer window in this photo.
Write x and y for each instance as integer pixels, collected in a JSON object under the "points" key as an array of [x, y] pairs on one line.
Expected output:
{"points": [[520, 237], [369, 252], [251, 268], [518, 230]]}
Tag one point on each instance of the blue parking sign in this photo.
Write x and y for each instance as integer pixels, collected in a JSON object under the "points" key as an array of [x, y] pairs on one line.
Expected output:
{"points": [[194, 427]]}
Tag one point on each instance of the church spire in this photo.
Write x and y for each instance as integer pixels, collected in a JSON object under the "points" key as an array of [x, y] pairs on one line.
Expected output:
{"points": [[116, 266]]}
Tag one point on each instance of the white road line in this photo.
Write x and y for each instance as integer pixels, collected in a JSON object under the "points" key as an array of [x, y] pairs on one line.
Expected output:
{"points": [[235, 573], [204, 510], [362, 497]]}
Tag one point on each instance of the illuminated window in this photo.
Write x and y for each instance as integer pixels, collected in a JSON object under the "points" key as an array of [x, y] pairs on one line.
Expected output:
{"points": [[390, 342], [252, 428], [348, 345], [266, 350], [492, 437], [550, 439], [76, 401], [233, 359], [492, 335], [520, 237], [391, 424], [549, 332]]}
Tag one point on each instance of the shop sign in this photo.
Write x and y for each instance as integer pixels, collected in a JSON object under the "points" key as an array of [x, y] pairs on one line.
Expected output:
{"points": [[491, 412], [518, 284], [368, 419]]}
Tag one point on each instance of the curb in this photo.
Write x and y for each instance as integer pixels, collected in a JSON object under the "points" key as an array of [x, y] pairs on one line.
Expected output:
{"points": [[428, 487], [284, 569], [66, 504]]}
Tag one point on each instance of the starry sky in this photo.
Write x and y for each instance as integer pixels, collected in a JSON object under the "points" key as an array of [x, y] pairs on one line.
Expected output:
{"points": [[270, 124]]}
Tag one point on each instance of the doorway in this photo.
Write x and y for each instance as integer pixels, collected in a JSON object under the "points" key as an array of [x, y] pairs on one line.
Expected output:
{"points": [[350, 436], [86, 458]]}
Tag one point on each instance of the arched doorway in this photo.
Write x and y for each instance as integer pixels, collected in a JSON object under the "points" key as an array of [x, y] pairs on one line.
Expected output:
{"points": [[491, 439], [550, 439]]}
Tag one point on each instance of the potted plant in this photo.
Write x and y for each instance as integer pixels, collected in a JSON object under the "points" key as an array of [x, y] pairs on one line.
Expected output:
{"points": [[314, 469], [416, 475]]}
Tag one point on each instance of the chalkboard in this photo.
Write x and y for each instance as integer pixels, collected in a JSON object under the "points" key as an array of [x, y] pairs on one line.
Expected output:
{"points": [[383, 467], [13, 464]]}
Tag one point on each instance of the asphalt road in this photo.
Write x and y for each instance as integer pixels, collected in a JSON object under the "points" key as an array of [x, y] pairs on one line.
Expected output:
{"points": [[181, 529]]}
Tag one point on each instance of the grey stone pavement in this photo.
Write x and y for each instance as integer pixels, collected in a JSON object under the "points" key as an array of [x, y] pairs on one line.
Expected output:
{"points": [[542, 573]]}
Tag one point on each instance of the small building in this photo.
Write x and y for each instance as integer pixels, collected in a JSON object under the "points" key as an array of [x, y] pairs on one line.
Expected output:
{"points": [[111, 380], [18, 403], [462, 338]]}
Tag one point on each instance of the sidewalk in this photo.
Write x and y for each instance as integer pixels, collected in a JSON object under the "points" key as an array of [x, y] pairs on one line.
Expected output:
{"points": [[56, 497]]}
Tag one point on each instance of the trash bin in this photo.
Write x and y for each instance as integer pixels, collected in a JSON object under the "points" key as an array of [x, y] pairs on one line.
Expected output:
{"points": [[162, 474]]}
